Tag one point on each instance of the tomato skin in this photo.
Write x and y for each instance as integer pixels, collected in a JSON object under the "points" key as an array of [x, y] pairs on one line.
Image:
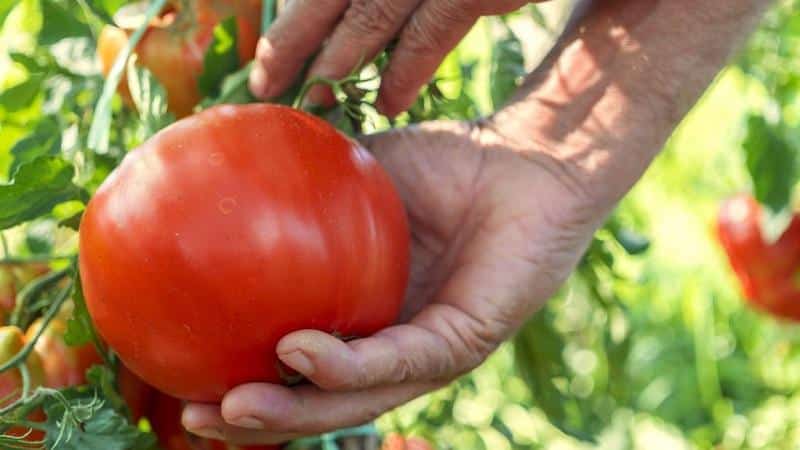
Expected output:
{"points": [[229, 230], [768, 272], [174, 46]]}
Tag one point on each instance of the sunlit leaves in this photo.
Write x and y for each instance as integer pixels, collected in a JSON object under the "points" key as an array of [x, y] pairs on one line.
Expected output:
{"points": [[221, 58], [771, 161], [37, 187]]}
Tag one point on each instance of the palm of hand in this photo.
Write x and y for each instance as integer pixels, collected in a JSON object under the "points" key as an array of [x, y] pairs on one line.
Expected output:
{"points": [[495, 231]]}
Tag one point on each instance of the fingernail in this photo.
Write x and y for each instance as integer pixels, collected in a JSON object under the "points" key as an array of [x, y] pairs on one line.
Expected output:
{"points": [[299, 362], [258, 82], [248, 422], [208, 433]]}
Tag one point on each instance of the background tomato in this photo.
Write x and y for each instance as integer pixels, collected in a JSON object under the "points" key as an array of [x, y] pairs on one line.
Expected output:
{"points": [[138, 395], [230, 229], [767, 271], [11, 342], [175, 43], [64, 366], [396, 441]]}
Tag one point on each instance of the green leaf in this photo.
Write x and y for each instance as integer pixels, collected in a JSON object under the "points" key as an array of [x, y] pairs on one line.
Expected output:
{"points": [[79, 419], [22, 95], [538, 17], [508, 68], [45, 140], [221, 58], [79, 326], [150, 99], [61, 22], [771, 162], [234, 90], [633, 242], [37, 187], [99, 132], [29, 62], [40, 237], [5, 7]]}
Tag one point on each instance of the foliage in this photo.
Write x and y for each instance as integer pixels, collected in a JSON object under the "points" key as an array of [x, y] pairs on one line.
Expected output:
{"points": [[647, 345]]}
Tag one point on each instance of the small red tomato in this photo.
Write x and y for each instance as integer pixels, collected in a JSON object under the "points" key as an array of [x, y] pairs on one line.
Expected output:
{"points": [[396, 441], [230, 229], [174, 46], [11, 342], [768, 272], [64, 366]]}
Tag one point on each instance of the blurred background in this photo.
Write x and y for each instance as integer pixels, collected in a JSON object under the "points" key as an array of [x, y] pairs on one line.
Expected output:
{"points": [[650, 345]]}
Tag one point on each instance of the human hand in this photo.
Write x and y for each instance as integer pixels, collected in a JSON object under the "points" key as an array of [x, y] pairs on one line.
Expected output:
{"points": [[501, 211], [347, 33]]}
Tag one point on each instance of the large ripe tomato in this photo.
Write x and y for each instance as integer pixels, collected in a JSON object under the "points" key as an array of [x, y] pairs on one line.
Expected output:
{"points": [[11, 342], [64, 366], [165, 419], [175, 43], [767, 271], [230, 229]]}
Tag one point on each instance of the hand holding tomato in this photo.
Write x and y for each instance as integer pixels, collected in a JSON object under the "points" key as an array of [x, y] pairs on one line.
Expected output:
{"points": [[500, 213]]}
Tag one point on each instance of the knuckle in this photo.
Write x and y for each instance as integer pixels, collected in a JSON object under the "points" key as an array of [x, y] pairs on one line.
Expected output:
{"points": [[367, 18]]}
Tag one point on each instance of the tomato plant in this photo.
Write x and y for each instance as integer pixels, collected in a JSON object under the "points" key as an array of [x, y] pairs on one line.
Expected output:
{"points": [[767, 271], [11, 383], [250, 222], [174, 46], [64, 365]]}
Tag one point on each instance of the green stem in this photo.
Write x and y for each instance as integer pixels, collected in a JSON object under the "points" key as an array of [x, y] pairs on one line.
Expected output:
{"points": [[4, 241], [268, 14], [35, 259], [101, 124], [33, 290]]}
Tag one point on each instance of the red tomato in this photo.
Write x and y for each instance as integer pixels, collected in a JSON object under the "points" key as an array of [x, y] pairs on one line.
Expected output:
{"points": [[11, 342], [165, 419], [174, 45], [229, 230], [395, 441], [64, 366], [768, 272]]}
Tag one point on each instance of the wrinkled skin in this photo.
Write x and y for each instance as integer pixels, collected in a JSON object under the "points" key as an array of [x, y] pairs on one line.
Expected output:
{"points": [[250, 222], [768, 271], [175, 44]]}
